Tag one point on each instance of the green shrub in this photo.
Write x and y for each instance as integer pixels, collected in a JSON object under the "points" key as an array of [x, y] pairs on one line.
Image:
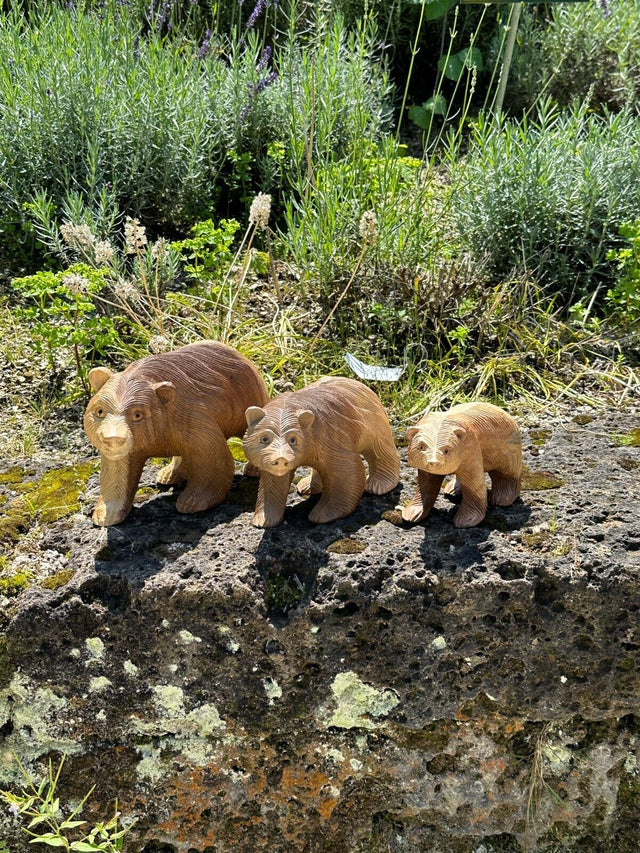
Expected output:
{"points": [[573, 51], [549, 195], [92, 102], [623, 299]]}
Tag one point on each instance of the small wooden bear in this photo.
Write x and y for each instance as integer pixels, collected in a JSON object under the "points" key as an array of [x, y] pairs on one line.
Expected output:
{"points": [[467, 440], [326, 425], [183, 404]]}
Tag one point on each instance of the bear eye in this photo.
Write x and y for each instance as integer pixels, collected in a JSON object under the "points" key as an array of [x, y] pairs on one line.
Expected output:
{"points": [[99, 413], [137, 415], [264, 439], [445, 451], [422, 446], [293, 441]]}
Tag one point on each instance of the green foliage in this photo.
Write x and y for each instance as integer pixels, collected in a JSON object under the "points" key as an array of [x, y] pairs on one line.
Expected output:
{"points": [[95, 105], [62, 312], [573, 52], [209, 250], [48, 824], [548, 195], [623, 299]]}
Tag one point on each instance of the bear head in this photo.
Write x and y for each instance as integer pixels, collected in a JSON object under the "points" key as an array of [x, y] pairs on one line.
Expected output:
{"points": [[276, 439], [127, 413], [436, 445]]}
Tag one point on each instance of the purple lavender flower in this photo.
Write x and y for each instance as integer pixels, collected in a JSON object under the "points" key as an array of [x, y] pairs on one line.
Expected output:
{"points": [[253, 17], [605, 8], [264, 59], [204, 47]]}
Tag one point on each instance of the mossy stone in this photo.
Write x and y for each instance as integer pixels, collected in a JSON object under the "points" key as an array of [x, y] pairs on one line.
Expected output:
{"points": [[55, 495], [628, 439], [58, 579], [540, 436], [537, 481], [346, 546]]}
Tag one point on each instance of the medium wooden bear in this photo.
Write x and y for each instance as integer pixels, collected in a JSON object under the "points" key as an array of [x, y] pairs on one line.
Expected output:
{"points": [[183, 404], [326, 425], [467, 440]]}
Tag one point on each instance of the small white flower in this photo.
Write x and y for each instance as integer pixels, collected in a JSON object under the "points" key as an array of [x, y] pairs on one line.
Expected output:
{"points": [[14, 810], [135, 237], [126, 291], [159, 344], [103, 252], [260, 210], [77, 284], [77, 236], [369, 226], [159, 249]]}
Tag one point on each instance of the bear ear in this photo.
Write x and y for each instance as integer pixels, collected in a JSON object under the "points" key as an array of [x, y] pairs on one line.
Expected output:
{"points": [[98, 376], [305, 418], [411, 432], [166, 391], [254, 415]]}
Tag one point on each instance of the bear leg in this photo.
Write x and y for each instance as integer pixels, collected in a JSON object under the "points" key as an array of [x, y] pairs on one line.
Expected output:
{"points": [[504, 489], [272, 499], [119, 480], [210, 468], [342, 487], [424, 498], [173, 473], [474, 495], [311, 485], [384, 467]]}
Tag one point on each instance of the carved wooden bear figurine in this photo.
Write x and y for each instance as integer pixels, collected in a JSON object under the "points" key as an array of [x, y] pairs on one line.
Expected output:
{"points": [[183, 404], [326, 425], [467, 440]]}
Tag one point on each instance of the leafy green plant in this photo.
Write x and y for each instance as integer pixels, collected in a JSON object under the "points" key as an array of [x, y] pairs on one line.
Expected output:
{"points": [[548, 195], [208, 251], [623, 299], [64, 313], [40, 805], [575, 52]]}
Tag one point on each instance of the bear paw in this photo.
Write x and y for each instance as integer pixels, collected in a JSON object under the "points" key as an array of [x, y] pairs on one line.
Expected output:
{"points": [[109, 513]]}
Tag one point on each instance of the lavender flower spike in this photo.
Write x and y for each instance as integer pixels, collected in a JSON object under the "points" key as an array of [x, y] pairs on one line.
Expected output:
{"points": [[253, 17]]}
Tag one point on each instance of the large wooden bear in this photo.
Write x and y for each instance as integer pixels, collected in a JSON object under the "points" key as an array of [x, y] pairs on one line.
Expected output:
{"points": [[326, 425], [467, 440], [183, 404]]}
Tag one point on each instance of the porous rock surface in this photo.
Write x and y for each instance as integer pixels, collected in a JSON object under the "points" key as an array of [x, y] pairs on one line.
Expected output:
{"points": [[358, 686]]}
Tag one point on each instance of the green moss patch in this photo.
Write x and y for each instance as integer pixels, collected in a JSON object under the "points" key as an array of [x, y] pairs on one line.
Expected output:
{"points": [[283, 594], [346, 546], [55, 495], [628, 439], [15, 475], [537, 481], [237, 451], [15, 583], [539, 436], [59, 579]]}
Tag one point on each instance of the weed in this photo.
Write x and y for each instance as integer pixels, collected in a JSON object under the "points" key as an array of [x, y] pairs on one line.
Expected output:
{"points": [[48, 824]]}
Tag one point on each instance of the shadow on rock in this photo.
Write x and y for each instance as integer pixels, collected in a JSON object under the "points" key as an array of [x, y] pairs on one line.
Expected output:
{"points": [[154, 536], [457, 548]]}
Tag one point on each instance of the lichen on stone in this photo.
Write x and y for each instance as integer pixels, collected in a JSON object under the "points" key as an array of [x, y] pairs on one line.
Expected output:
{"points": [[272, 689], [359, 704]]}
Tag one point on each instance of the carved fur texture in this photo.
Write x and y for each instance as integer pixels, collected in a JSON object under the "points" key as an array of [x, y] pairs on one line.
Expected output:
{"points": [[468, 440], [327, 426], [183, 404]]}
